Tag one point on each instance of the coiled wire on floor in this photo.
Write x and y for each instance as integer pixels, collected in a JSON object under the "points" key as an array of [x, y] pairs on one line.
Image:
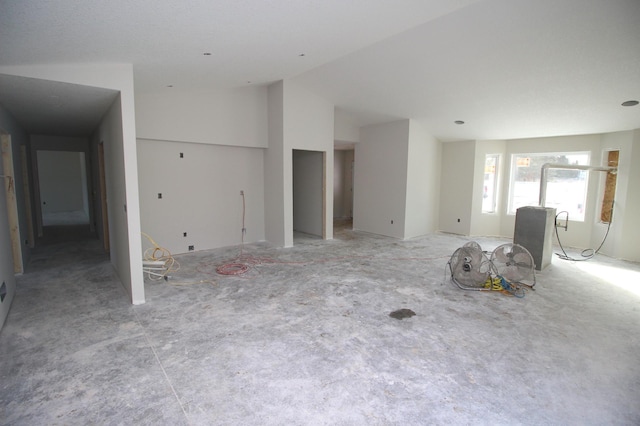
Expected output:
{"points": [[162, 257]]}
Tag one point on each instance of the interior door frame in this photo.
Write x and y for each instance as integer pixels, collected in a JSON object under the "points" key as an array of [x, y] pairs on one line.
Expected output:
{"points": [[103, 197], [9, 183]]}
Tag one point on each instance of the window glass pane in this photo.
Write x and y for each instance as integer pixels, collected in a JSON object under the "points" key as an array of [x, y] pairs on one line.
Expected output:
{"points": [[566, 189], [490, 186]]}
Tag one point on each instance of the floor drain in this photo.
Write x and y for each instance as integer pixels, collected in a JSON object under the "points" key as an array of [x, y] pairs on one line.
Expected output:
{"points": [[402, 313]]}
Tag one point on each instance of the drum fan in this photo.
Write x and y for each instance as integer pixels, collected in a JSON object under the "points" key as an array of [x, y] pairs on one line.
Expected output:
{"points": [[469, 267], [514, 263]]}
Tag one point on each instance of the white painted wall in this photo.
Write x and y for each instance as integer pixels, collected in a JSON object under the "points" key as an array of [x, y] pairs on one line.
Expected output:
{"points": [[380, 186], [274, 181], [346, 127], [456, 186], [487, 223], [423, 182], [61, 182], [298, 119], [122, 210], [235, 117], [200, 194], [629, 247], [622, 241], [307, 191]]}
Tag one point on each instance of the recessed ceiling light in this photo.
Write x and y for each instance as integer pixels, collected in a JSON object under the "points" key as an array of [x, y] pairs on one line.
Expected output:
{"points": [[459, 122], [207, 53], [169, 85], [302, 54], [630, 103]]}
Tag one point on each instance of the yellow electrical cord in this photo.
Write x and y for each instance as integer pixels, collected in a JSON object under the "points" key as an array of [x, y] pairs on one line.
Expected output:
{"points": [[161, 254]]}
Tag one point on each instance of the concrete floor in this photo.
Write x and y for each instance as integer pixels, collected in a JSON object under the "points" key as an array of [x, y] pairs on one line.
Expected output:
{"points": [[306, 338]]}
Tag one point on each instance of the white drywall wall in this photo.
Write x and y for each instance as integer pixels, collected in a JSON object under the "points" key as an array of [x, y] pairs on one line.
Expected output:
{"points": [[487, 223], [381, 179], [346, 127], [423, 182], [60, 177], [627, 211], [308, 125], [298, 119], [235, 117], [456, 187], [307, 191], [274, 192], [200, 194], [622, 142]]}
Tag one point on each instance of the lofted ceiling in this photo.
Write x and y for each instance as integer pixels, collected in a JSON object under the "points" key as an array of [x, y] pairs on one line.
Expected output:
{"points": [[507, 68]]}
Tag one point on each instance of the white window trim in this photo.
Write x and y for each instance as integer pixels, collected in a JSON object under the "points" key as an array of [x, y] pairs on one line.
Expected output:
{"points": [[509, 201]]}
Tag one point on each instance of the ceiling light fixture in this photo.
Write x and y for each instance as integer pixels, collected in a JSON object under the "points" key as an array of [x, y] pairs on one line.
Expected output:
{"points": [[302, 54], [169, 85], [459, 122], [206, 54], [630, 103]]}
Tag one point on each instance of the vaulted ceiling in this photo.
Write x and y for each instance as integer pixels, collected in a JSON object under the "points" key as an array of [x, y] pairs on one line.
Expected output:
{"points": [[507, 68]]}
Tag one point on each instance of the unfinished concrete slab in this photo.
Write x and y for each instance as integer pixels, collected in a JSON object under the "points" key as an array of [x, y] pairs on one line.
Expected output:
{"points": [[306, 337]]}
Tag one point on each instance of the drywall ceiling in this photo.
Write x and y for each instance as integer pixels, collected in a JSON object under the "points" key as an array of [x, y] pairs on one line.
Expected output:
{"points": [[508, 68], [54, 108]]}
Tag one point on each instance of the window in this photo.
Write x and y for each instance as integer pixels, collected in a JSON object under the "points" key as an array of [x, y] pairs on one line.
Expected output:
{"points": [[490, 185], [566, 189]]}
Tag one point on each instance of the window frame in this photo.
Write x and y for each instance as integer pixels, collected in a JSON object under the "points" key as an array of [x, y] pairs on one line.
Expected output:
{"points": [[496, 183], [510, 210]]}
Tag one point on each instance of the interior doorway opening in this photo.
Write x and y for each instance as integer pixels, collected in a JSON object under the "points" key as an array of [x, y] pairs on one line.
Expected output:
{"points": [[309, 193]]}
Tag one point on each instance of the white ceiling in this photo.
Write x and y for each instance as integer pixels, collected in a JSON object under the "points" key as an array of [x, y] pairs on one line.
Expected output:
{"points": [[508, 68]]}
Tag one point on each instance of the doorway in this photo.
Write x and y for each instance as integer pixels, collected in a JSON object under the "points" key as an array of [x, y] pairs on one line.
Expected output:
{"points": [[309, 192], [343, 190], [62, 178]]}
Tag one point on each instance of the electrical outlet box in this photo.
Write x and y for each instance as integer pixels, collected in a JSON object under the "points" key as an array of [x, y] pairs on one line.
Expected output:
{"points": [[3, 291], [191, 248], [159, 194], [184, 234]]}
